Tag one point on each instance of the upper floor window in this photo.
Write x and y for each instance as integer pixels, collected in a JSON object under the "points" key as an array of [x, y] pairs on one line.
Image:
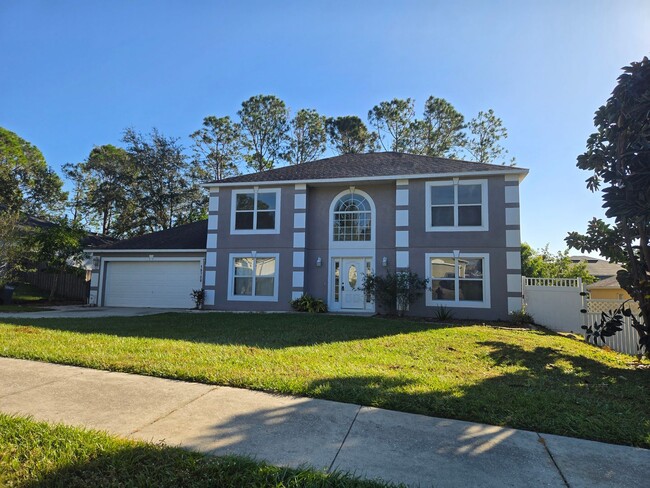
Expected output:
{"points": [[352, 218], [255, 211], [457, 205]]}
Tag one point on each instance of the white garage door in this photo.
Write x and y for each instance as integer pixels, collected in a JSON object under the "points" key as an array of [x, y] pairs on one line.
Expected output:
{"points": [[164, 284]]}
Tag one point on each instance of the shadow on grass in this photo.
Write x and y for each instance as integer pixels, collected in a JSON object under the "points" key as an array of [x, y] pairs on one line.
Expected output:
{"points": [[272, 331]]}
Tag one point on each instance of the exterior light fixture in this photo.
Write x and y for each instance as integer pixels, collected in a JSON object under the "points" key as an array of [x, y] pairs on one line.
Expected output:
{"points": [[319, 262], [384, 261]]}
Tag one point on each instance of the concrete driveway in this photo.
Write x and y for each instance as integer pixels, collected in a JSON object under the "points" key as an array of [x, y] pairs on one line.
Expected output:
{"points": [[81, 311], [289, 431]]}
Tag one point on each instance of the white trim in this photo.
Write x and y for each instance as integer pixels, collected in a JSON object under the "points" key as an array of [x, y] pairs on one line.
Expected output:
{"points": [[209, 297], [514, 283], [519, 171], [298, 259], [401, 218], [513, 238], [353, 246], [341, 255], [401, 238], [214, 203], [456, 228], [512, 216], [255, 190], [512, 176], [211, 241], [299, 219], [402, 182], [252, 298], [298, 279], [486, 303], [104, 260], [300, 201], [95, 250], [513, 260], [402, 196], [512, 194], [94, 280], [296, 294], [210, 278], [299, 240], [211, 259], [213, 222], [300, 186], [402, 259]]}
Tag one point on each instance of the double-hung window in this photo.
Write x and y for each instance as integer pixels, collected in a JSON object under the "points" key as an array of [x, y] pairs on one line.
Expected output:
{"points": [[458, 281], [255, 211], [253, 277], [456, 205]]}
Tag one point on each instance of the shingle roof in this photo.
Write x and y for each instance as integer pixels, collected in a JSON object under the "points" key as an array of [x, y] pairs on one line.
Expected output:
{"points": [[610, 283], [188, 236], [368, 165], [597, 267]]}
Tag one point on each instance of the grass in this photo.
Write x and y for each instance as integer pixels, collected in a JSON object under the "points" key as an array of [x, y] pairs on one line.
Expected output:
{"points": [[22, 308], [519, 378], [35, 454]]}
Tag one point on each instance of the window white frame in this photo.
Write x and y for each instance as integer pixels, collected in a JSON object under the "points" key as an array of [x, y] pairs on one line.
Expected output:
{"points": [[456, 182], [457, 303], [252, 298], [254, 230], [353, 245]]}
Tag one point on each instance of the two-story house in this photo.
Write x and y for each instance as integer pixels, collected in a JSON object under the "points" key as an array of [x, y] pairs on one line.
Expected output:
{"points": [[320, 227]]}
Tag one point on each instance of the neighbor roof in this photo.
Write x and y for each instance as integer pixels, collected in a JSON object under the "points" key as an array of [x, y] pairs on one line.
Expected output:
{"points": [[188, 236], [607, 283], [597, 267], [370, 165]]}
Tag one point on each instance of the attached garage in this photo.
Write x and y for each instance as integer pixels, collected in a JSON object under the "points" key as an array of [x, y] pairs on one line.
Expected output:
{"points": [[161, 284], [157, 270]]}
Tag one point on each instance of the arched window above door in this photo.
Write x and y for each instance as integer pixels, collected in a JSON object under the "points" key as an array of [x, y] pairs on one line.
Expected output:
{"points": [[352, 218]]}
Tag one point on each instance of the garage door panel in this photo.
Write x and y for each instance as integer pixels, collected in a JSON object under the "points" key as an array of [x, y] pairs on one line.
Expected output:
{"points": [[164, 284]]}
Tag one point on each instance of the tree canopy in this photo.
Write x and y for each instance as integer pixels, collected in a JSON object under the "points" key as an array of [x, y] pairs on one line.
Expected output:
{"points": [[349, 135], [544, 264], [28, 183], [618, 157]]}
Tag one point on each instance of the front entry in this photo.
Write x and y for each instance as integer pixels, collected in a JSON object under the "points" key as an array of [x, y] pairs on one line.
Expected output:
{"points": [[349, 274]]}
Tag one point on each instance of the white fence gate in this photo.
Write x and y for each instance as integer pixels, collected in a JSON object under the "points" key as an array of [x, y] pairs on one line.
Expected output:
{"points": [[555, 303], [627, 340]]}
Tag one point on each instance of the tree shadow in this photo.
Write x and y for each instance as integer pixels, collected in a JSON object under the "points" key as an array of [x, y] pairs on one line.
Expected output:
{"points": [[270, 331]]}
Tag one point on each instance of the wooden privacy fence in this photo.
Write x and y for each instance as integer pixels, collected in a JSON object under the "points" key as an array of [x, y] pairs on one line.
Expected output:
{"points": [[69, 285]]}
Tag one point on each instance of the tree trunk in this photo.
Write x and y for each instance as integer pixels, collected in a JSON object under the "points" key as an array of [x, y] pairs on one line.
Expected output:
{"points": [[54, 286]]}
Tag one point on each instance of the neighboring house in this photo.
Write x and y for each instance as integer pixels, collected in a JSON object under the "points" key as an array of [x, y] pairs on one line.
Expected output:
{"points": [[598, 268], [319, 227], [607, 289]]}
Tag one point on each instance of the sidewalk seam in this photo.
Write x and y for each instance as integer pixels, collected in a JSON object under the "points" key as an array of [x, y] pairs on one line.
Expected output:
{"points": [[176, 409], [329, 470], [548, 451]]}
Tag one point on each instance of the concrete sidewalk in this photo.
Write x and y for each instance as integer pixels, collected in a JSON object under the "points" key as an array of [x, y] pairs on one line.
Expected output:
{"points": [[370, 442], [84, 311]]}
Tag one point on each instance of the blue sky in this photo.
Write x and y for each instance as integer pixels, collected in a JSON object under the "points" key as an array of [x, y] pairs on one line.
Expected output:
{"points": [[75, 74]]}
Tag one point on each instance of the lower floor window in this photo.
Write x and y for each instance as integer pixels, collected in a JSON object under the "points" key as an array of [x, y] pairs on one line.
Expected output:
{"points": [[253, 277], [461, 281]]}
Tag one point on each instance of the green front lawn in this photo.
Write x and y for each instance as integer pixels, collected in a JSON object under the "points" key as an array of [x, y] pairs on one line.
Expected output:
{"points": [[520, 378], [37, 454]]}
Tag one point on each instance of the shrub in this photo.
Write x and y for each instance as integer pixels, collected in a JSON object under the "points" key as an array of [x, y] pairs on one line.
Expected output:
{"points": [[307, 303], [521, 317], [394, 291], [443, 313], [199, 297]]}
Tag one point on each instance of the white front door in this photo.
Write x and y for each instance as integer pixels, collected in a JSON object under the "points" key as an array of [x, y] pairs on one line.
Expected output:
{"points": [[351, 283]]}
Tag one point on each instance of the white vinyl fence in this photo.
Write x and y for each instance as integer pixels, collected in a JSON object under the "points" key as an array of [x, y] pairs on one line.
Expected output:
{"points": [[557, 303], [625, 341]]}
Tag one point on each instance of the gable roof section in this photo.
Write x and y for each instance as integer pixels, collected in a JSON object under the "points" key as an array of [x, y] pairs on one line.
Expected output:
{"points": [[600, 268], [380, 165], [183, 237], [610, 283]]}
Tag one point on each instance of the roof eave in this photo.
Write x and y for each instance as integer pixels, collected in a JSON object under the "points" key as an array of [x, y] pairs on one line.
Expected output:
{"points": [[522, 172]]}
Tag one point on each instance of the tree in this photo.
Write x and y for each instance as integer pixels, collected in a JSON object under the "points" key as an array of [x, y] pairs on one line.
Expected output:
{"points": [[264, 122], [163, 193], [486, 131], [28, 184], [393, 121], [58, 246], [14, 248], [308, 138], [217, 147], [349, 135], [104, 184], [618, 156], [544, 264], [440, 131]]}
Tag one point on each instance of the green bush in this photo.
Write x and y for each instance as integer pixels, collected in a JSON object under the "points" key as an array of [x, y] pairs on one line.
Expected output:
{"points": [[308, 303], [395, 291], [521, 317]]}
